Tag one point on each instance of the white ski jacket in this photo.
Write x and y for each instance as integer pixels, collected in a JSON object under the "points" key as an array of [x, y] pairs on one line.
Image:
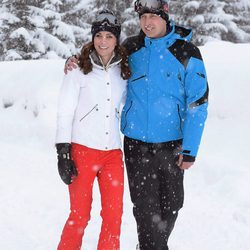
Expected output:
{"points": [[89, 106]]}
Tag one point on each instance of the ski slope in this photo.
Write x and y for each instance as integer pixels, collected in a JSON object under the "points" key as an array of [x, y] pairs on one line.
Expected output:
{"points": [[34, 202]]}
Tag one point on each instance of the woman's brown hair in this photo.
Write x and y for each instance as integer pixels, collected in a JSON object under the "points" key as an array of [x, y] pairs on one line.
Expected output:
{"points": [[86, 65]]}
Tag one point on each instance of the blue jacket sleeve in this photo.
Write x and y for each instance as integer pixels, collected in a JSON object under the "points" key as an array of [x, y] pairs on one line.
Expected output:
{"points": [[196, 90]]}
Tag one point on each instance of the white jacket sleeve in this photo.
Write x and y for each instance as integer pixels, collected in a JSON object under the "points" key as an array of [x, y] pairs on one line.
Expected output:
{"points": [[67, 103]]}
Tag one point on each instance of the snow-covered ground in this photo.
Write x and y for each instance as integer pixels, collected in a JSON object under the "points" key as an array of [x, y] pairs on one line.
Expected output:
{"points": [[34, 202]]}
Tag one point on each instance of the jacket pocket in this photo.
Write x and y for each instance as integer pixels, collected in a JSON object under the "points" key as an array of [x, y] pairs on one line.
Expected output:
{"points": [[179, 114], [125, 116], [137, 78], [89, 112]]}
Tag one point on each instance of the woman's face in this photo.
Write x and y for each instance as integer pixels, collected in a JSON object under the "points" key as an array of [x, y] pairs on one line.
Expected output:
{"points": [[104, 43]]}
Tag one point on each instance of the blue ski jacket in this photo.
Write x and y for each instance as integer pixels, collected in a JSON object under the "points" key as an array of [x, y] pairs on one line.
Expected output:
{"points": [[167, 95]]}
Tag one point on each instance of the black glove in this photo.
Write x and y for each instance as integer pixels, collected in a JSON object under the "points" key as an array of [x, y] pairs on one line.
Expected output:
{"points": [[66, 166]]}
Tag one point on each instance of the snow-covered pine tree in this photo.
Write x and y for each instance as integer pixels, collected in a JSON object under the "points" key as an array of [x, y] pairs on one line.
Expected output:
{"points": [[239, 27], [205, 17], [130, 19], [33, 29], [212, 19], [75, 14], [175, 11], [17, 30], [55, 34]]}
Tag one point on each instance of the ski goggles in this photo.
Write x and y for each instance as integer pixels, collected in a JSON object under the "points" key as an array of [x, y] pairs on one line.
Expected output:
{"points": [[153, 5], [107, 18]]}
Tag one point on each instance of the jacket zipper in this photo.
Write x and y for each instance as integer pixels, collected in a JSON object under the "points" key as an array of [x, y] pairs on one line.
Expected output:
{"points": [[138, 78], [131, 102], [178, 106], [89, 112]]}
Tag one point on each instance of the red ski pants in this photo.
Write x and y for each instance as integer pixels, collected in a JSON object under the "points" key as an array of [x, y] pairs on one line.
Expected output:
{"points": [[107, 166]]}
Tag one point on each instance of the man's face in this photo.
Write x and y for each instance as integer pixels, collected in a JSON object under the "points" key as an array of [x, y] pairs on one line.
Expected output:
{"points": [[153, 25]]}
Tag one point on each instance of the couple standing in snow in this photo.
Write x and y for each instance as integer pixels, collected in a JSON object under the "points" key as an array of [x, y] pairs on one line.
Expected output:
{"points": [[161, 77]]}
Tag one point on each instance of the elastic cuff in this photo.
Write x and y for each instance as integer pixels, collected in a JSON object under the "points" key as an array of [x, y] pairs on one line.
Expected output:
{"points": [[63, 148], [188, 158]]}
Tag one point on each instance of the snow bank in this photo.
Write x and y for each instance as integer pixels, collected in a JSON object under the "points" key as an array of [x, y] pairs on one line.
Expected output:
{"points": [[34, 201]]}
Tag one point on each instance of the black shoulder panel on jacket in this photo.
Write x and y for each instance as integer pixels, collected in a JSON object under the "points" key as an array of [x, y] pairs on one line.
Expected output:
{"points": [[202, 100], [183, 51], [134, 43]]}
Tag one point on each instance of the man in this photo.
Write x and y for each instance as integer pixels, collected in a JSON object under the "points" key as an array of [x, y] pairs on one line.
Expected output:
{"points": [[162, 120]]}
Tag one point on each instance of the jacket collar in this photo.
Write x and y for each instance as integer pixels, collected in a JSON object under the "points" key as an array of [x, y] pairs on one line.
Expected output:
{"points": [[97, 61], [175, 32]]}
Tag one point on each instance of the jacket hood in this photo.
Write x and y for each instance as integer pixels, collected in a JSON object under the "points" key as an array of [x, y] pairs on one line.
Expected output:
{"points": [[184, 33]]}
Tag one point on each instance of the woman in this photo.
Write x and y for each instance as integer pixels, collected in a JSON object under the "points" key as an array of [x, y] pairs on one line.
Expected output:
{"points": [[88, 138]]}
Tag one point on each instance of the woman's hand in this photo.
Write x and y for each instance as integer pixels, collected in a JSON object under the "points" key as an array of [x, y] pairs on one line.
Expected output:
{"points": [[71, 64], [66, 166]]}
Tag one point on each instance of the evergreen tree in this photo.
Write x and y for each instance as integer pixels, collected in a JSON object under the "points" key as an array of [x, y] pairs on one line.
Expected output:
{"points": [[31, 29], [35, 29], [239, 27], [76, 14], [130, 19], [17, 29], [56, 36], [212, 19]]}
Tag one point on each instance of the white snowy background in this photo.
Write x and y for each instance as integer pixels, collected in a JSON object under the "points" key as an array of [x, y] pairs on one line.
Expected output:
{"points": [[34, 202]]}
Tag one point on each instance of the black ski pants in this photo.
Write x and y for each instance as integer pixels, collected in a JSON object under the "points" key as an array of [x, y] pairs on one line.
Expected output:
{"points": [[156, 189]]}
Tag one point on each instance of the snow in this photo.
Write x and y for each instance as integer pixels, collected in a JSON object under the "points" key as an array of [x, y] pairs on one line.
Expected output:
{"points": [[21, 32], [38, 21], [8, 16], [191, 5], [83, 4], [244, 5], [199, 19], [215, 26], [13, 55], [54, 44], [63, 30], [34, 201]]}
